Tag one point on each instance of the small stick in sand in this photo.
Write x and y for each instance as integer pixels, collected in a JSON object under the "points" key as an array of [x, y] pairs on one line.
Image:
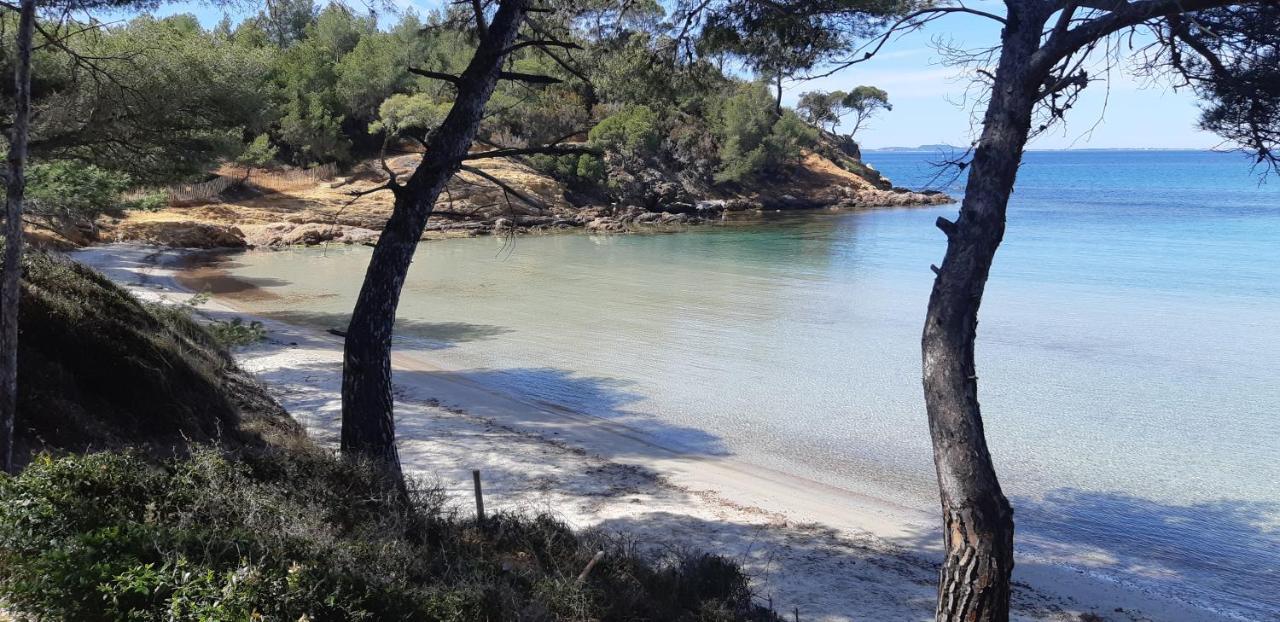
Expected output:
{"points": [[591, 564], [475, 476]]}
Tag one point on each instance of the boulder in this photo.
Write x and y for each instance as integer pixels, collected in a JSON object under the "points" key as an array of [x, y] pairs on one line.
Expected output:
{"points": [[181, 234], [606, 225]]}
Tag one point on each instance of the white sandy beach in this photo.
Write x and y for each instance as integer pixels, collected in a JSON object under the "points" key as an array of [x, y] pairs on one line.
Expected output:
{"points": [[821, 551]]}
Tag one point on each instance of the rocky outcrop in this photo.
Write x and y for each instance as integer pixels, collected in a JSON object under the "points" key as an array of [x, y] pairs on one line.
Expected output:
{"points": [[643, 197], [180, 234], [309, 234]]}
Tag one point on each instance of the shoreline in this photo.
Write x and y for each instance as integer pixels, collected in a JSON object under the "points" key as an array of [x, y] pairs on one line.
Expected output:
{"points": [[829, 552]]}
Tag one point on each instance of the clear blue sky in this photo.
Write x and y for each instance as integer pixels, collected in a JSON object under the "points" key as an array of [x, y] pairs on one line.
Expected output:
{"points": [[928, 106], [927, 97]]}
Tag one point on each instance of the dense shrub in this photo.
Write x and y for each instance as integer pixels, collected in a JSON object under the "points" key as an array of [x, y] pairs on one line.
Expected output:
{"points": [[755, 141], [301, 535], [62, 191], [418, 113], [632, 131]]}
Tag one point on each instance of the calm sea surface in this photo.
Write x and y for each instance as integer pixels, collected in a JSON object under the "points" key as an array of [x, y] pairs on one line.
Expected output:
{"points": [[1129, 351]]}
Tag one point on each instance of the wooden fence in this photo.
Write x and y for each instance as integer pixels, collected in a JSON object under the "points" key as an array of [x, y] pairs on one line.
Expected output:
{"points": [[274, 181]]}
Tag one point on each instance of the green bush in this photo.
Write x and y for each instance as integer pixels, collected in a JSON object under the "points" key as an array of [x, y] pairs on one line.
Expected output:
{"points": [[236, 332], [756, 142], [633, 131], [277, 535], [149, 202], [403, 113], [64, 191]]}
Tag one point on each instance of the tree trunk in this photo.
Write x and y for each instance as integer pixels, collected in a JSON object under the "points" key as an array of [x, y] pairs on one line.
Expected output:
{"points": [[977, 519], [368, 424], [777, 104], [11, 274]]}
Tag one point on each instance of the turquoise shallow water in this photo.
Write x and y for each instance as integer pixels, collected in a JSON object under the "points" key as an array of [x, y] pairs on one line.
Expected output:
{"points": [[1128, 351]]}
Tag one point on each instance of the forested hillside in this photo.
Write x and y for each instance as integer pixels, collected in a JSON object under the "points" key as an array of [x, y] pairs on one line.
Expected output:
{"points": [[131, 107]]}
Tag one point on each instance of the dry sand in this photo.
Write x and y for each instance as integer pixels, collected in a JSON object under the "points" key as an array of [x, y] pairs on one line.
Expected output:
{"points": [[822, 551]]}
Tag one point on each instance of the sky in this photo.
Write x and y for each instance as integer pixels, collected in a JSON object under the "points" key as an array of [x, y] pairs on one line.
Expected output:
{"points": [[928, 98]]}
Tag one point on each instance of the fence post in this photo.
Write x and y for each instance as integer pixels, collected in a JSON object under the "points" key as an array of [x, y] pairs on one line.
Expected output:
{"points": [[475, 476]]}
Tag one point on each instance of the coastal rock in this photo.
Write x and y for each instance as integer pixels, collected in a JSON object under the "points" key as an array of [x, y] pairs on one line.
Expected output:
{"points": [[181, 234], [629, 213], [890, 198], [606, 225], [309, 234]]}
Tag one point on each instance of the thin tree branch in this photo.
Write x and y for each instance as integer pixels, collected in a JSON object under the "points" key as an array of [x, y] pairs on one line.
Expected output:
{"points": [[523, 151], [436, 75], [530, 78], [503, 185], [568, 45]]}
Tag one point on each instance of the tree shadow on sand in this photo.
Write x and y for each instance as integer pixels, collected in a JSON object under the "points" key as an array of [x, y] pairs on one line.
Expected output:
{"points": [[410, 333], [1227, 550], [577, 403], [792, 563]]}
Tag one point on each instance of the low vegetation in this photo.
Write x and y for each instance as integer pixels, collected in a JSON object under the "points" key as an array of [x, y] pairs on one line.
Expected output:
{"points": [[300, 535], [101, 369]]}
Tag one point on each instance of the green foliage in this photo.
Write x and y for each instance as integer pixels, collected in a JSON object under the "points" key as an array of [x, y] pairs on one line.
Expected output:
{"points": [[783, 37], [162, 100], [754, 142], [305, 85], [259, 152], [286, 21], [299, 534], [820, 108], [590, 168], [865, 102], [633, 131], [147, 202], [236, 332], [63, 191], [416, 114], [373, 71]]}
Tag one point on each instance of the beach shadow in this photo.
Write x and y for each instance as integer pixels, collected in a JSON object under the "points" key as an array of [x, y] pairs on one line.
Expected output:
{"points": [[578, 403], [412, 333], [814, 572], [1227, 550], [1236, 565]]}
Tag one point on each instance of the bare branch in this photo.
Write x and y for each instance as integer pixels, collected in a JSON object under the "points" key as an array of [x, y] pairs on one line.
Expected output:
{"points": [[436, 75], [541, 43], [543, 150], [529, 78], [910, 22], [505, 188]]}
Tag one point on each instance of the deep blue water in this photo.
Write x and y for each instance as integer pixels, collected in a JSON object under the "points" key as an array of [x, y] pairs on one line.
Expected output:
{"points": [[1128, 352]]}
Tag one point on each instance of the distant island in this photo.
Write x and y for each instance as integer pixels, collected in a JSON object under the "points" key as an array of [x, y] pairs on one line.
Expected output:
{"points": [[948, 148], [939, 147]]}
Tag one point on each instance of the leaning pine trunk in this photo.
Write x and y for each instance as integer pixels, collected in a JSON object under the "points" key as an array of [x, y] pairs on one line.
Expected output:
{"points": [[977, 519], [368, 424], [11, 274]]}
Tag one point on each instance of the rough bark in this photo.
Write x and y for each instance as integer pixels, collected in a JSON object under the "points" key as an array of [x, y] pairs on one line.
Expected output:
{"points": [[977, 518], [368, 423], [11, 274]]}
